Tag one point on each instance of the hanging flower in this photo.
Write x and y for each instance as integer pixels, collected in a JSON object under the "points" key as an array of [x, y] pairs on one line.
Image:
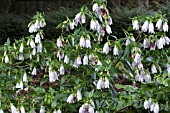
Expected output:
{"points": [[145, 26], [106, 48], [66, 59], [88, 42], [95, 7], [6, 59], [135, 25], [153, 69], [22, 109], [21, 49], [85, 60], [58, 111], [137, 58], [146, 104], [25, 77], [93, 25], [32, 44], [1, 111], [42, 109], [82, 42], [71, 99], [82, 109], [90, 109], [77, 18], [59, 43], [159, 24], [108, 29], [83, 19], [167, 40], [37, 38], [20, 85], [53, 76], [60, 55], [100, 84], [13, 108], [147, 78], [156, 108], [34, 72], [72, 25], [79, 96], [106, 83], [37, 24], [115, 50], [152, 106], [39, 48], [151, 28], [109, 21], [79, 60], [146, 43], [159, 43], [165, 27], [62, 70], [34, 51]]}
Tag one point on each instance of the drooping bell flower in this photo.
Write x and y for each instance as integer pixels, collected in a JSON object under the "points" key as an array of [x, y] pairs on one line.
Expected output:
{"points": [[88, 42], [37, 38], [66, 59], [77, 18], [53, 76], [71, 99], [21, 49], [83, 19], [85, 60], [42, 109], [137, 58], [108, 29], [151, 28], [82, 109], [32, 44], [145, 26], [146, 43], [62, 70], [109, 21], [82, 42], [21, 57], [106, 48], [25, 77], [93, 25], [165, 27], [95, 7], [59, 43], [135, 24], [39, 48], [6, 59], [22, 109], [167, 40], [115, 50], [159, 24], [153, 69], [34, 71], [79, 60], [100, 84], [90, 109], [156, 108], [34, 52], [72, 25], [106, 83], [79, 96]]}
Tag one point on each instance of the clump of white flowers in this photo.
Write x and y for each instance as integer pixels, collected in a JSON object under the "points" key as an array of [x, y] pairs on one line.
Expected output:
{"points": [[74, 97], [153, 106]]}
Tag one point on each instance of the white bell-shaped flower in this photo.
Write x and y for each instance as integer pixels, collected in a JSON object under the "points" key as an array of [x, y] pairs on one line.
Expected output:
{"points": [[32, 44], [82, 109], [82, 42], [109, 20], [42, 109], [21, 57], [99, 84], [159, 24], [1, 111], [115, 50], [34, 71], [137, 58], [37, 24], [108, 29], [71, 99], [59, 43], [145, 26], [146, 43], [21, 49], [13, 108], [60, 55], [83, 19], [85, 60], [62, 70], [152, 106], [39, 48], [72, 25], [153, 69], [37, 38], [167, 40], [77, 18], [6, 59], [34, 52], [88, 42], [156, 108], [90, 109], [53, 76], [79, 96], [93, 25], [151, 28], [22, 109], [66, 59], [25, 77], [135, 24], [165, 27], [147, 78], [95, 7], [106, 83], [106, 48], [79, 60]]}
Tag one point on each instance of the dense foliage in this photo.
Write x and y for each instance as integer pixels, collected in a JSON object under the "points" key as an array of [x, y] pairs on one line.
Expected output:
{"points": [[88, 69]]}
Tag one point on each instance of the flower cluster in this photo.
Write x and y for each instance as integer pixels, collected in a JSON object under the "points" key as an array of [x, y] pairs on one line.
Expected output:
{"points": [[153, 106]]}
